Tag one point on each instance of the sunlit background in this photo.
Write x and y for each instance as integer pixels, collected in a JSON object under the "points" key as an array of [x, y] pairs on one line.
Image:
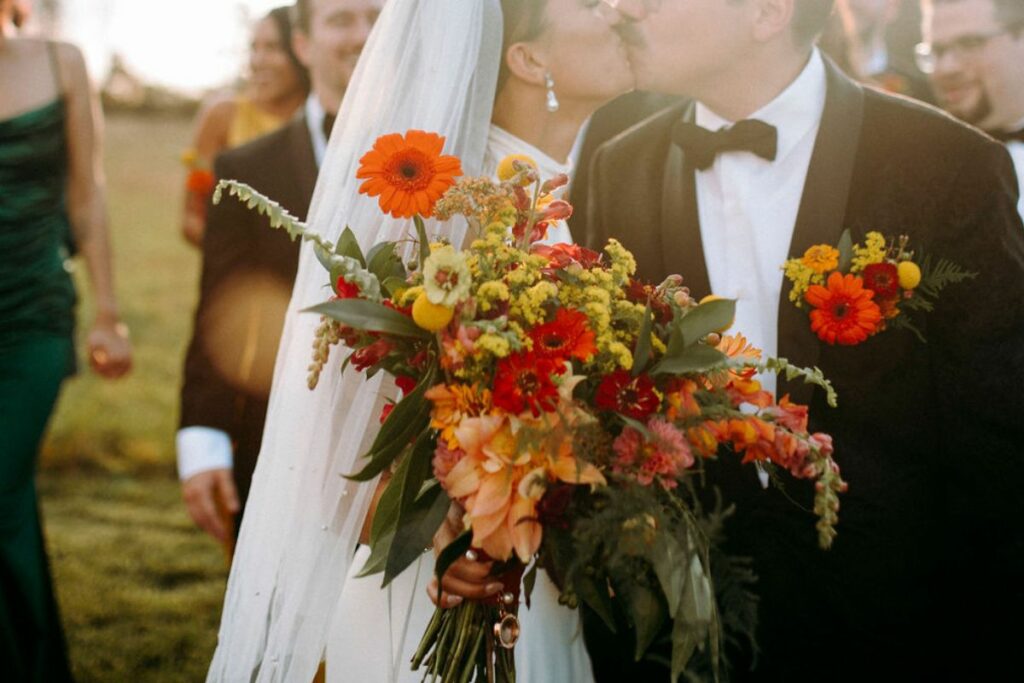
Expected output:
{"points": [[184, 45]]}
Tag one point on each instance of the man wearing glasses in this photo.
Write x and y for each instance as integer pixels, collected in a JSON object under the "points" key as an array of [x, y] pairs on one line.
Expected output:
{"points": [[974, 53]]}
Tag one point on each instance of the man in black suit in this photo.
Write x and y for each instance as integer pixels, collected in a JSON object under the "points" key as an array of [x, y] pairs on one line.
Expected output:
{"points": [[248, 272], [924, 579]]}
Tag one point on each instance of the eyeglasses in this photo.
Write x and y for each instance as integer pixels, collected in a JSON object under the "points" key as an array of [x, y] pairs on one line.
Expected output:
{"points": [[928, 55]]}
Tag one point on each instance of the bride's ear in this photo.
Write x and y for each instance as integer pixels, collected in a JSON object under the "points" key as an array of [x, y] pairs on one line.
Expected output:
{"points": [[526, 63]]}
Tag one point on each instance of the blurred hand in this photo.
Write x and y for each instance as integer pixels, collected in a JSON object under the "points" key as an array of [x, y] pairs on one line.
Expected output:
{"points": [[212, 502], [110, 352], [465, 578]]}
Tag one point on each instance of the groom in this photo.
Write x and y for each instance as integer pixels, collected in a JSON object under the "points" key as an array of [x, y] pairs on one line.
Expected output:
{"points": [[924, 581]]}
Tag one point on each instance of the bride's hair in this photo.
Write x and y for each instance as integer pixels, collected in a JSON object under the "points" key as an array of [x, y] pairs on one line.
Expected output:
{"points": [[522, 20]]}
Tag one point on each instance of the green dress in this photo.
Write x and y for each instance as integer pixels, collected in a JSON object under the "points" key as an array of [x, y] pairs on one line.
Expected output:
{"points": [[37, 301]]}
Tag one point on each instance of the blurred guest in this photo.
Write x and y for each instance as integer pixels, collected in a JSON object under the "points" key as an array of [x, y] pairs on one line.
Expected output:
{"points": [[870, 53], [51, 184], [974, 52], [277, 86], [248, 271]]}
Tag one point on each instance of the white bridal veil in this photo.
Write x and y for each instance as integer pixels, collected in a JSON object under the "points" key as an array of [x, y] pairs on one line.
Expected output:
{"points": [[431, 65]]}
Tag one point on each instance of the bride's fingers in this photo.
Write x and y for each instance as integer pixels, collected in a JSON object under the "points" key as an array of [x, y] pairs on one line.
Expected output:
{"points": [[465, 589], [474, 572], [445, 599]]}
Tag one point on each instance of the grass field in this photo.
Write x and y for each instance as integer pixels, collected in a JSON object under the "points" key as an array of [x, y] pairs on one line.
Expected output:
{"points": [[139, 586]]}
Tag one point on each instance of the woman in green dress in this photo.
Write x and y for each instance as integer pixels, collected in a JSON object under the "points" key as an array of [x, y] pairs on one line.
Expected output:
{"points": [[51, 194]]}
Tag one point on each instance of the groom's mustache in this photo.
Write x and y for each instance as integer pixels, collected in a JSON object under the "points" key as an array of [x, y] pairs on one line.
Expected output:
{"points": [[631, 35]]}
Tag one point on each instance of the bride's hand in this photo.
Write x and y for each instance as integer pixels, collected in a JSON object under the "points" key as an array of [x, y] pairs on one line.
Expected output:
{"points": [[465, 578]]}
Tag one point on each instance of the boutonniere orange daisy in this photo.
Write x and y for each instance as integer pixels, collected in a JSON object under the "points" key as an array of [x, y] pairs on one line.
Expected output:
{"points": [[854, 291]]}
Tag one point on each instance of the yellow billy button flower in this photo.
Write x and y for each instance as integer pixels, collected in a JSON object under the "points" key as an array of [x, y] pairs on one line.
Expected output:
{"points": [[715, 297], [430, 316], [909, 274], [507, 168]]}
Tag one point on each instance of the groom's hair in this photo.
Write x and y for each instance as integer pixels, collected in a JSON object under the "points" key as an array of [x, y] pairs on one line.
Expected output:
{"points": [[302, 15], [809, 20], [522, 20], [1006, 12]]}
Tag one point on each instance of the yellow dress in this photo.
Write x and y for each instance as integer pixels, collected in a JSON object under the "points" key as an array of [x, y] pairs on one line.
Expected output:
{"points": [[250, 122]]}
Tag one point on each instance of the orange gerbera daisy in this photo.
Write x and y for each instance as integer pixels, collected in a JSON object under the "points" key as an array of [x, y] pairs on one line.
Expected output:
{"points": [[844, 312], [408, 172]]}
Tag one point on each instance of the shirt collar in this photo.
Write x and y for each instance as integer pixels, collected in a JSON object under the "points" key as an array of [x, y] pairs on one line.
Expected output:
{"points": [[315, 122], [795, 112]]}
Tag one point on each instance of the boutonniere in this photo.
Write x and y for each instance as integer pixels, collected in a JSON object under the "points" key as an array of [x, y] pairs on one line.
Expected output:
{"points": [[854, 291]]}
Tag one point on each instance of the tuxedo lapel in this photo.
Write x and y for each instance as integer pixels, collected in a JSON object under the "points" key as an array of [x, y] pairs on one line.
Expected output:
{"points": [[682, 250], [822, 213]]}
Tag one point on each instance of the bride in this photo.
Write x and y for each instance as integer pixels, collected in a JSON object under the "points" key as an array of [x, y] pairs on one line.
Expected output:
{"points": [[495, 77]]}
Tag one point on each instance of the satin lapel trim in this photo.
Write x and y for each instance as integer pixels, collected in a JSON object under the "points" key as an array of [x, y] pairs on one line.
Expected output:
{"points": [[682, 250], [303, 157], [822, 214]]}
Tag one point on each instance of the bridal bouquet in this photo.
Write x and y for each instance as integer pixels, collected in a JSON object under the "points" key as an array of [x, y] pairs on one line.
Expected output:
{"points": [[565, 406]]}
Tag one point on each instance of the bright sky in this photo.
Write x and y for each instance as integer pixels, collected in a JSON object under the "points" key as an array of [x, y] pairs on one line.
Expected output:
{"points": [[188, 45]]}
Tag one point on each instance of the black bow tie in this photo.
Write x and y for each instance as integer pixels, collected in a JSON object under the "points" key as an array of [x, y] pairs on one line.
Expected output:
{"points": [[1008, 136], [702, 145], [328, 125]]}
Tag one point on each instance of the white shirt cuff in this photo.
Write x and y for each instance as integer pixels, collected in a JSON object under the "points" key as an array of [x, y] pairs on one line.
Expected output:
{"points": [[201, 449]]}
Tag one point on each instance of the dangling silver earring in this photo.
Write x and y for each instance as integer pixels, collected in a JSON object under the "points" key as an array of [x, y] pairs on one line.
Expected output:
{"points": [[549, 83]]}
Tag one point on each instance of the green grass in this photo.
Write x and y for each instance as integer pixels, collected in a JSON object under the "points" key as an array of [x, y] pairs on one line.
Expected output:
{"points": [[139, 587]]}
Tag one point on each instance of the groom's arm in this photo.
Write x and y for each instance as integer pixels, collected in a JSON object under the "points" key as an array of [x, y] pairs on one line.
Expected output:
{"points": [[976, 346]]}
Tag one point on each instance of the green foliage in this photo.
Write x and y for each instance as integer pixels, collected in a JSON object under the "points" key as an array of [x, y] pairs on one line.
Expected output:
{"points": [[938, 275], [408, 420], [845, 252], [369, 316]]}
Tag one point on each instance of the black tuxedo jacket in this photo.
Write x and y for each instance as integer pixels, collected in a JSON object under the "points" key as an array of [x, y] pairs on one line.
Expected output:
{"points": [[243, 257], [925, 578], [620, 114]]}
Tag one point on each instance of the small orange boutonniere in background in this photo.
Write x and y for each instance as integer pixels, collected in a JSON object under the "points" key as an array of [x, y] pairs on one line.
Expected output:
{"points": [[855, 291], [200, 179]]}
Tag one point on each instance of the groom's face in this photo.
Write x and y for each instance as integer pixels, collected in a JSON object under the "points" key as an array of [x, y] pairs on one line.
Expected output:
{"points": [[682, 45], [338, 30]]}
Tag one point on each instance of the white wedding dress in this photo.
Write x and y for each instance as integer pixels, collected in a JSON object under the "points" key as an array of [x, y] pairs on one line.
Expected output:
{"points": [[375, 632]]}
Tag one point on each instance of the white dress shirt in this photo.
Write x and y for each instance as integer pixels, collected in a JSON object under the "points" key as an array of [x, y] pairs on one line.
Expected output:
{"points": [[1016, 150], [201, 449], [748, 208]]}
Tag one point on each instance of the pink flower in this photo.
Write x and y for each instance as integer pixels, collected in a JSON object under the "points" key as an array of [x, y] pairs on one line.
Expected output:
{"points": [[445, 459], [662, 458]]}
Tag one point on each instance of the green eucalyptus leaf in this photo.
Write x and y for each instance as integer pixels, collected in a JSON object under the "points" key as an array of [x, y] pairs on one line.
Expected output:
{"points": [[529, 581], [409, 420], [416, 528], [669, 560], [594, 593], [348, 245], [370, 317], [648, 613], [707, 318], [696, 358], [393, 285], [384, 262], [685, 640], [378, 556], [451, 553], [642, 353], [845, 251], [421, 234]]}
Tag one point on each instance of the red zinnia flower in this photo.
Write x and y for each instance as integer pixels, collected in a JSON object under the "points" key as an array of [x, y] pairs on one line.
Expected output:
{"points": [[406, 384], [567, 336], [883, 279], [368, 356], [844, 311], [524, 382], [408, 172], [345, 289], [631, 396]]}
